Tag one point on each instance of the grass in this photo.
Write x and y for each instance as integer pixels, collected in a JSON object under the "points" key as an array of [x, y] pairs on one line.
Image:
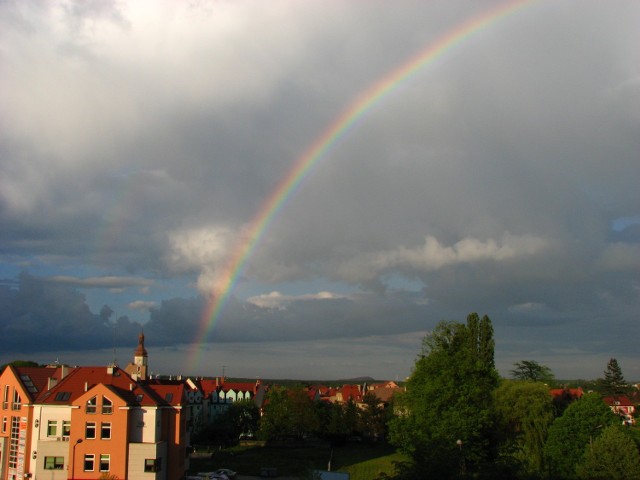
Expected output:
{"points": [[363, 461]]}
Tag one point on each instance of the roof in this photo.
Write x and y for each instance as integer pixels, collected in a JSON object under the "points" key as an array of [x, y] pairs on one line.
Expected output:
{"points": [[617, 400], [35, 379], [83, 379], [572, 392], [170, 393], [140, 350]]}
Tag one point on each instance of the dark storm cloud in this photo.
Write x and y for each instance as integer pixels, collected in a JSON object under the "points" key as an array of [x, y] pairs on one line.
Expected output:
{"points": [[138, 143]]}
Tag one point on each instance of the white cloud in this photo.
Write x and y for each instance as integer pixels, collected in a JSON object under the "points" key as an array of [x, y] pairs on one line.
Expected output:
{"points": [[114, 283], [141, 305], [433, 255], [278, 300]]}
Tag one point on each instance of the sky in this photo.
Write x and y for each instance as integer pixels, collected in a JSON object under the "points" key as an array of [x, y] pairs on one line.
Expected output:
{"points": [[141, 144]]}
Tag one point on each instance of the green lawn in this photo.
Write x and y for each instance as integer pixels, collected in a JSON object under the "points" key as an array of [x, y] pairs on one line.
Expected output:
{"points": [[362, 460]]}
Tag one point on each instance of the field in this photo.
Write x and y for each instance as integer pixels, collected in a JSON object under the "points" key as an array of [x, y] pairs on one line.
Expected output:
{"points": [[363, 461]]}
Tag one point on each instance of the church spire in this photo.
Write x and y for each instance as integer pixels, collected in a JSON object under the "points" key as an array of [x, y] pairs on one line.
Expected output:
{"points": [[138, 369], [140, 351]]}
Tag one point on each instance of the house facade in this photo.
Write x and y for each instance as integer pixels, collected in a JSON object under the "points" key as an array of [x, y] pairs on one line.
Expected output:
{"points": [[88, 422], [19, 389]]}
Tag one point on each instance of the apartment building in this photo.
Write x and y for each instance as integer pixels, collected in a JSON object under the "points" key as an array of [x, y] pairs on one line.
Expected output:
{"points": [[91, 422]]}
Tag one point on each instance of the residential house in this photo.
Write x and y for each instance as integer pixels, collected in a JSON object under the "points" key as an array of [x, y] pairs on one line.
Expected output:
{"points": [[622, 406], [100, 420], [19, 388], [219, 394]]}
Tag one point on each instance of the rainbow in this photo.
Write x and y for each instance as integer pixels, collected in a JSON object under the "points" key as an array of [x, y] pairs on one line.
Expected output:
{"points": [[258, 226]]}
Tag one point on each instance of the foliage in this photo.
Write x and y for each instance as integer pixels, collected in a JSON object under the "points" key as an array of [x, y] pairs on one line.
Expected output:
{"points": [[373, 417], [533, 371], [524, 413], [613, 382], [225, 429], [337, 422], [611, 456], [288, 413], [449, 398], [570, 434], [20, 363]]}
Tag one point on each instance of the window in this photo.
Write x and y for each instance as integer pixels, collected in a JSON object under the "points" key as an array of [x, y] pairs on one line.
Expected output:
{"points": [[107, 406], [17, 401], [52, 428], [152, 464], [105, 431], [105, 461], [53, 463], [92, 405], [66, 428], [4, 424], [89, 461], [27, 382], [63, 396], [5, 398], [90, 430]]}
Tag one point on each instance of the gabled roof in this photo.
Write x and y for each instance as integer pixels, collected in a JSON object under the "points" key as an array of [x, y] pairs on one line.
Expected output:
{"points": [[170, 393], [618, 401], [83, 379], [350, 392], [209, 386]]}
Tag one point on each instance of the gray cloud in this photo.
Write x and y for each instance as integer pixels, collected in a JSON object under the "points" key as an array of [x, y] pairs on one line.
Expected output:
{"points": [[137, 145]]}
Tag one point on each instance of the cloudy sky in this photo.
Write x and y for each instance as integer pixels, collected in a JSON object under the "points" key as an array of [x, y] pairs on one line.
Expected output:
{"points": [[140, 140]]}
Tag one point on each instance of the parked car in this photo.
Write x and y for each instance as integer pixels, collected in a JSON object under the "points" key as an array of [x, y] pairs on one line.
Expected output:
{"points": [[213, 475], [226, 471]]}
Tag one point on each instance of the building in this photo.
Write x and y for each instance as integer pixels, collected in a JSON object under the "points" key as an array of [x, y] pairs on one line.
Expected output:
{"points": [[92, 422], [20, 387]]}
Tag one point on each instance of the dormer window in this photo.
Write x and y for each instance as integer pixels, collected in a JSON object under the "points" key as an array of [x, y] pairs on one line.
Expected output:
{"points": [[92, 405], [107, 406]]}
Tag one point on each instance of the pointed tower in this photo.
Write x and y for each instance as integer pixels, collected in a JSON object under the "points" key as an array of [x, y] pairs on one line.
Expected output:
{"points": [[138, 369]]}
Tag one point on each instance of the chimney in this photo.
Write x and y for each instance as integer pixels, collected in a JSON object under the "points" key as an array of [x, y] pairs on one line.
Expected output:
{"points": [[64, 370], [86, 386]]}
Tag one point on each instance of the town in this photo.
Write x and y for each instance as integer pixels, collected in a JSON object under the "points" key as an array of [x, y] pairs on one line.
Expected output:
{"points": [[90, 422]]}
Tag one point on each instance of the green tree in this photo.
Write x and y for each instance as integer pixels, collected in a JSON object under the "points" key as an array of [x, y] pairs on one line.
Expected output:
{"points": [[613, 382], [532, 370], [570, 434], [288, 412], [611, 456], [524, 413], [449, 399], [372, 416]]}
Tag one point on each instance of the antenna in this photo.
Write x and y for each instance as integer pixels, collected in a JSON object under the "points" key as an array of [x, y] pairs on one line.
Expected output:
{"points": [[113, 339]]}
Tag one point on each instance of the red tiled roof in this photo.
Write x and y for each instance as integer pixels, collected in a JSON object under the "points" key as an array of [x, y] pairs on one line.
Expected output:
{"points": [[573, 392], [623, 401], [82, 379], [172, 394]]}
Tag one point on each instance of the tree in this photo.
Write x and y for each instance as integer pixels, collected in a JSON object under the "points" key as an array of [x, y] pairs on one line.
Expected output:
{"points": [[524, 413], [372, 416], [613, 382], [570, 434], [532, 370], [448, 399], [611, 456], [288, 413]]}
